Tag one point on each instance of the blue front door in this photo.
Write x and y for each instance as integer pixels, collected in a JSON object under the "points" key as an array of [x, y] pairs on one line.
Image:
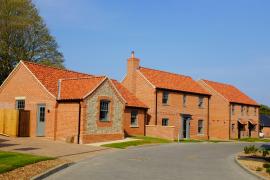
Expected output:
{"points": [[41, 117]]}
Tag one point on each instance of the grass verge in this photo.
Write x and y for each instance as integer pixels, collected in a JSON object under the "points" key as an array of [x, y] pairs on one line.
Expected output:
{"points": [[199, 141], [254, 140], [141, 140], [10, 160]]}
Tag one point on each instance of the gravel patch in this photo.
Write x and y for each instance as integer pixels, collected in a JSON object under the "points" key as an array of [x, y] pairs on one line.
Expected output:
{"points": [[26, 172]]}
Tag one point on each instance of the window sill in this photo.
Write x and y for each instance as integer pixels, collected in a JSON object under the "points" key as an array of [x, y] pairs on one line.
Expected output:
{"points": [[200, 134], [165, 104], [104, 121], [134, 126]]}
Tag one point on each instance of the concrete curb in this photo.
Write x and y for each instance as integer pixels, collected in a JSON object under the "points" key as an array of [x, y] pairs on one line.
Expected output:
{"points": [[52, 171], [247, 169]]}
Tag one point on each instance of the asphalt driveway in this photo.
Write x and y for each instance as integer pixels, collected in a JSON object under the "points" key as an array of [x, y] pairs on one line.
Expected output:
{"points": [[162, 162]]}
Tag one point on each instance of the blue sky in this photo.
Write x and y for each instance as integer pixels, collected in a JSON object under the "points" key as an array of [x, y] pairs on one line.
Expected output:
{"points": [[226, 41]]}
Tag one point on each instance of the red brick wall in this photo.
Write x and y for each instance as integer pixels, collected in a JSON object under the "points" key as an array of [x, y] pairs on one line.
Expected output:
{"points": [[67, 121], [245, 117], [140, 129], [145, 92], [166, 132], [220, 116], [22, 84], [266, 132], [174, 108]]}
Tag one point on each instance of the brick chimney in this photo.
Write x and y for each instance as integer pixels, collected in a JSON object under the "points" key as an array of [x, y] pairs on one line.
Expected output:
{"points": [[132, 65]]}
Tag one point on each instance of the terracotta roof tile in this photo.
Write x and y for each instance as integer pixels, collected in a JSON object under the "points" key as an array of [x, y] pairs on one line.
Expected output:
{"points": [[49, 76], [231, 93], [171, 81], [71, 89], [130, 99]]}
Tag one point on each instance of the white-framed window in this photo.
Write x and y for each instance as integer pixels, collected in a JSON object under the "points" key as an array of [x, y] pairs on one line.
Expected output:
{"points": [[165, 97], [20, 104], [200, 104], [184, 100], [200, 127], [165, 122], [104, 110], [134, 119]]}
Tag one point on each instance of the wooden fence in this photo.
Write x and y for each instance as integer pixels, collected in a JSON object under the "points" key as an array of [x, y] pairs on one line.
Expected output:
{"points": [[14, 122]]}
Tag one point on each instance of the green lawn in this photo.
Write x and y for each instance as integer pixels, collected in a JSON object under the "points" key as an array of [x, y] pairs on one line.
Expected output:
{"points": [[141, 141], [254, 140], [199, 141], [11, 160]]}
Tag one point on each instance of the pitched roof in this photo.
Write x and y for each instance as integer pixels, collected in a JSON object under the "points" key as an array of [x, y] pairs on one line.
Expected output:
{"points": [[130, 99], [171, 81], [265, 120], [78, 88], [231, 93], [49, 76]]}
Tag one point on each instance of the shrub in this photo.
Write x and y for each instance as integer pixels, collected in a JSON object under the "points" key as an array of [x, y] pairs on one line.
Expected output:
{"points": [[265, 153], [268, 170], [250, 149], [266, 165], [259, 169]]}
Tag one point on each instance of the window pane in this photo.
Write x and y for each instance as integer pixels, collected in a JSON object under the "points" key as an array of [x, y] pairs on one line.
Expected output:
{"points": [[42, 114], [20, 104], [165, 122], [165, 97], [200, 102], [134, 121], [200, 127], [104, 110], [184, 100]]}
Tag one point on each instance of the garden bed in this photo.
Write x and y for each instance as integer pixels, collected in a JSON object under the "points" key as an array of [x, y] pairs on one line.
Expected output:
{"points": [[255, 160]]}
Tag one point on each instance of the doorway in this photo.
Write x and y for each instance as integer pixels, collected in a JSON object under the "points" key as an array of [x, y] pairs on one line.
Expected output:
{"points": [[186, 126], [241, 127], [41, 120]]}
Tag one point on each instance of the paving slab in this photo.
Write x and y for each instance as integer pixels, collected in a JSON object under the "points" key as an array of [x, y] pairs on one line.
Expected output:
{"points": [[116, 141], [46, 147]]}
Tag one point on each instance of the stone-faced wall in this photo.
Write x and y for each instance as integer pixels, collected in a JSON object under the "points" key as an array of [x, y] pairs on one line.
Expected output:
{"points": [[96, 130]]}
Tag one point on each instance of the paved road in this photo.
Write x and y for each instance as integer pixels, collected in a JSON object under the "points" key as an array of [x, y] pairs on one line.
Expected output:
{"points": [[162, 162]]}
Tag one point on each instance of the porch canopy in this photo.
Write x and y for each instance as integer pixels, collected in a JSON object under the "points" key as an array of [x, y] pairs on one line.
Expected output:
{"points": [[241, 121], [251, 121]]}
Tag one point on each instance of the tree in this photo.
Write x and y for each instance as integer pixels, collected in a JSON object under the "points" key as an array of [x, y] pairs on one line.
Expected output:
{"points": [[264, 110], [24, 36]]}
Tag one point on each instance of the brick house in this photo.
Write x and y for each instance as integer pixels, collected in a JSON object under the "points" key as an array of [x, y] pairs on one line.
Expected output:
{"points": [[233, 114], [178, 105], [67, 105], [265, 125]]}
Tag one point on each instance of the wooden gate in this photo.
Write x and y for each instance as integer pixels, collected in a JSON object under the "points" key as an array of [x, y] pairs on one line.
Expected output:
{"points": [[24, 123]]}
